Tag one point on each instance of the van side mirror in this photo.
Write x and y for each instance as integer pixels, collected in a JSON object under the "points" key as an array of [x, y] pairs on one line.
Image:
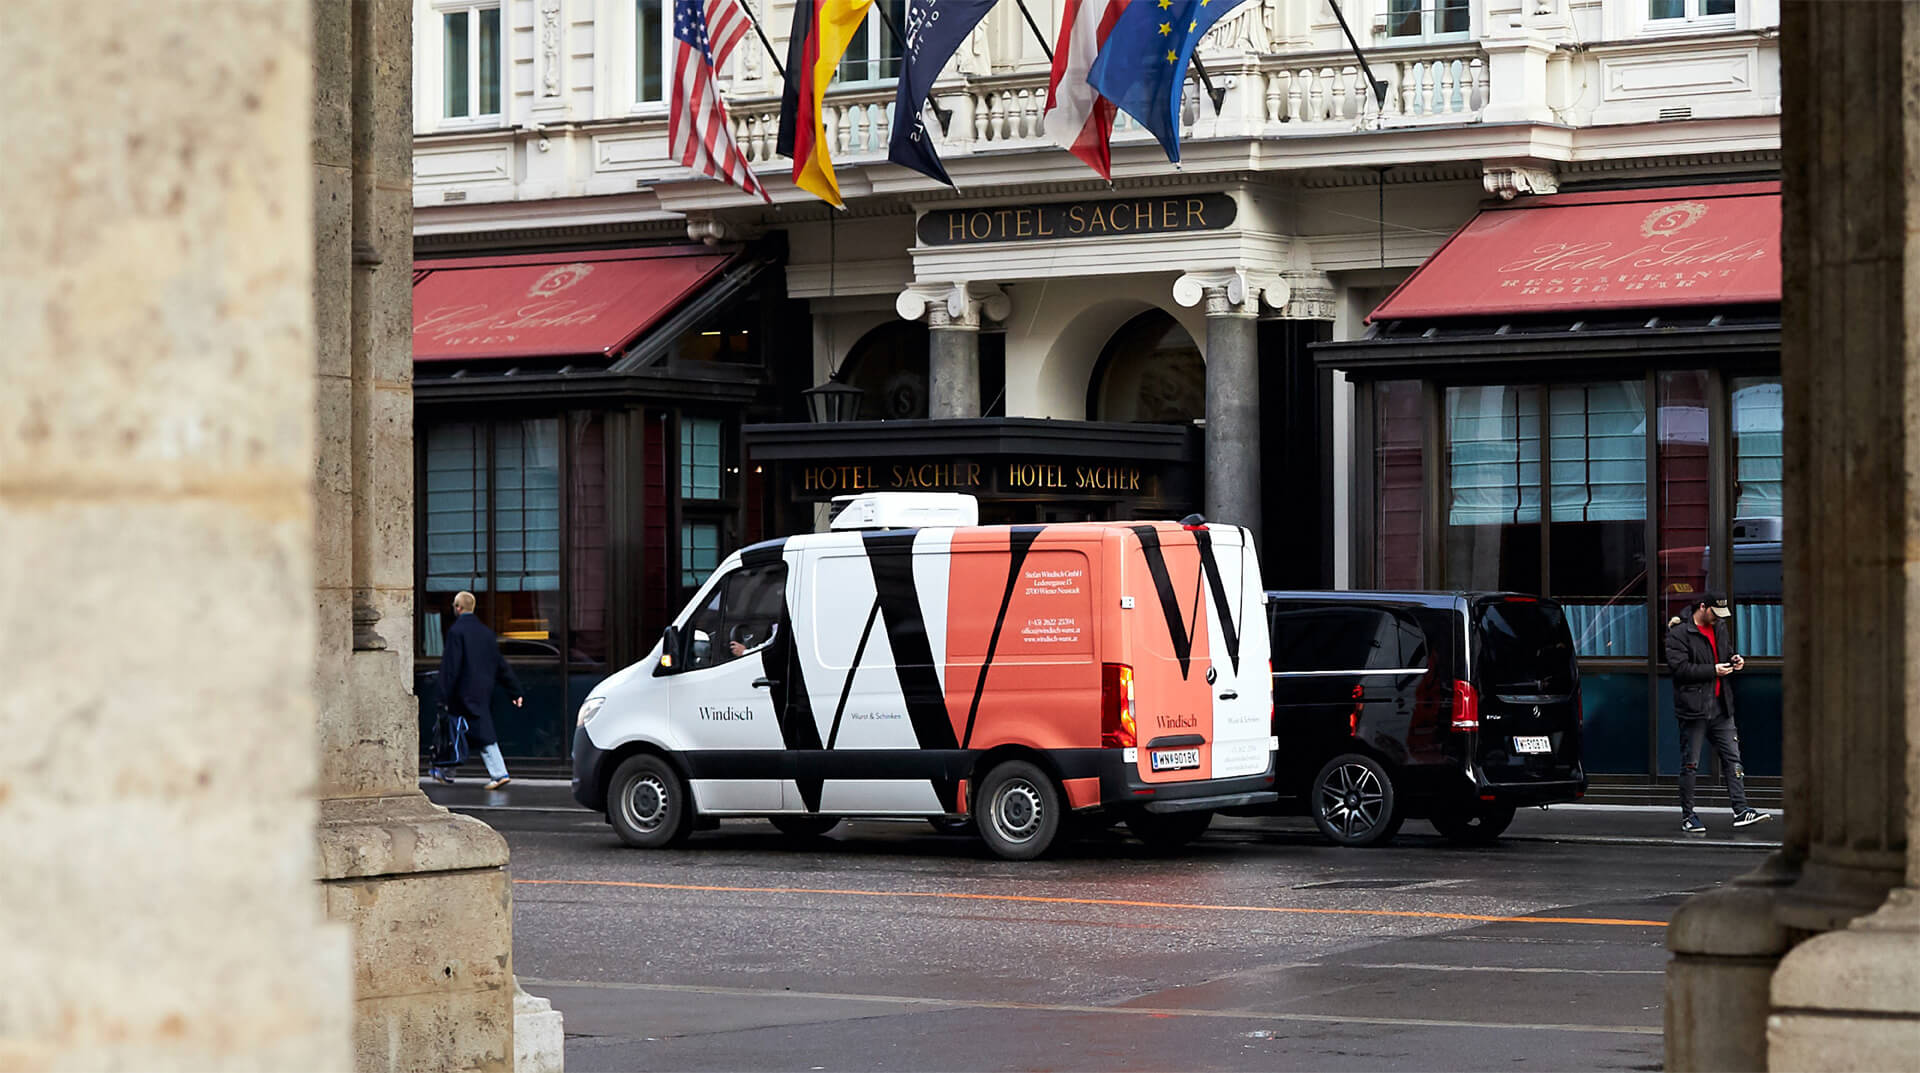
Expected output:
{"points": [[670, 648]]}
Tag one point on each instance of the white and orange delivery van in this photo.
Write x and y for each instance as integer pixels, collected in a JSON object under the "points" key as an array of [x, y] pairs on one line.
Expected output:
{"points": [[909, 663]]}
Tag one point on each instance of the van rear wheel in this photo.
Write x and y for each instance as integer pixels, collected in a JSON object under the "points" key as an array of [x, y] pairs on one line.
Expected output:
{"points": [[1168, 830], [1019, 813], [805, 826], [648, 803], [1354, 802], [1476, 826]]}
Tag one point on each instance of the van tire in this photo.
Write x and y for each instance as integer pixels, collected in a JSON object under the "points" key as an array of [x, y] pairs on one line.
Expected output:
{"points": [[1353, 801], [805, 826], [648, 803], [1478, 826], [1019, 810], [1168, 830]]}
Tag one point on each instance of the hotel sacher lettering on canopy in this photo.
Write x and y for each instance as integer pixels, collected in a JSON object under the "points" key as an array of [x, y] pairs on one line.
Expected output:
{"points": [[1005, 477]]}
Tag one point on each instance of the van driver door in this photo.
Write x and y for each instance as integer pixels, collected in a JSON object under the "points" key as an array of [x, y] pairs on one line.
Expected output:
{"points": [[724, 708]]}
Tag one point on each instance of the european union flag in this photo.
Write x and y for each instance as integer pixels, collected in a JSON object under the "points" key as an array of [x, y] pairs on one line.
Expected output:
{"points": [[1144, 61]]}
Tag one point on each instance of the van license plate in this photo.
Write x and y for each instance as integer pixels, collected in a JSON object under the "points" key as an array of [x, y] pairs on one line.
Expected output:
{"points": [[1175, 759], [1532, 745]]}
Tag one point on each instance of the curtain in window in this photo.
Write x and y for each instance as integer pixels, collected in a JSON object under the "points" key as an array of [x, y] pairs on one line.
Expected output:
{"points": [[1399, 479], [1757, 452], [526, 475], [1756, 416], [699, 552], [1493, 455], [1599, 452]]}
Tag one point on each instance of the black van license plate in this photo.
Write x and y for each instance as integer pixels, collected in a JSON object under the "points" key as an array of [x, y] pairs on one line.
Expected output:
{"points": [[1532, 745], [1175, 759]]}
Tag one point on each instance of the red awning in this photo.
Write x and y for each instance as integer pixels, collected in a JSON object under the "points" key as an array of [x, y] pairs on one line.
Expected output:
{"points": [[551, 304], [1672, 246]]}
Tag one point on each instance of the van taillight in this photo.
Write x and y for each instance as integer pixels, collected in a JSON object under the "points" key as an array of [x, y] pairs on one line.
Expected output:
{"points": [[1117, 729], [1466, 707]]}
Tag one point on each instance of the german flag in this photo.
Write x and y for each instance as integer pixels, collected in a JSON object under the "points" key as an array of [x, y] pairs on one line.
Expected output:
{"points": [[822, 29]]}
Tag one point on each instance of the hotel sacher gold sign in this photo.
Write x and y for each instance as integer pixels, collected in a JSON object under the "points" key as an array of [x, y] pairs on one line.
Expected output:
{"points": [[1078, 219]]}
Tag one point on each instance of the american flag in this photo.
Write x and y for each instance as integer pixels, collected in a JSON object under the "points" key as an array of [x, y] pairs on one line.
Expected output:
{"points": [[705, 33]]}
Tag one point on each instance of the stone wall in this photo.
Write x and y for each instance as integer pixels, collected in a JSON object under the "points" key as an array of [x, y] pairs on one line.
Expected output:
{"points": [[157, 906]]}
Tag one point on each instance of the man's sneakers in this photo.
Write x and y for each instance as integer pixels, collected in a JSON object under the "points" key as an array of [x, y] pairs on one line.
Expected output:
{"points": [[499, 783], [1749, 817], [1691, 825]]}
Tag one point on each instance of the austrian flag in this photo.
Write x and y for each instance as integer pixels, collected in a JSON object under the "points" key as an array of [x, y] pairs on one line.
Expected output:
{"points": [[698, 133], [1077, 117]]}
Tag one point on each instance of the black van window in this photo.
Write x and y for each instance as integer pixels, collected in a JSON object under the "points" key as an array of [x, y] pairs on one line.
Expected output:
{"points": [[1526, 647], [741, 614], [1345, 639]]}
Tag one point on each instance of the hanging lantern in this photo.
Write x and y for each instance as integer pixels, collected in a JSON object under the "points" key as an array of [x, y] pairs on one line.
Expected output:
{"points": [[833, 401]]}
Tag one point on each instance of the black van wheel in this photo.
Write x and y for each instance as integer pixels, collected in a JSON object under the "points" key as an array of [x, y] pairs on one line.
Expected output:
{"points": [[1168, 830], [1353, 801], [648, 803], [805, 826], [1474, 826], [1019, 812]]}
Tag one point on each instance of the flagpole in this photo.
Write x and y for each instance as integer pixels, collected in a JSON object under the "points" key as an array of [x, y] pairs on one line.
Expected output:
{"points": [[1035, 27], [944, 115], [1206, 81]]}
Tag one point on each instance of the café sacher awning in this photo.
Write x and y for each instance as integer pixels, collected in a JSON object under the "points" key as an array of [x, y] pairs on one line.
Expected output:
{"points": [[1621, 249], [587, 304]]}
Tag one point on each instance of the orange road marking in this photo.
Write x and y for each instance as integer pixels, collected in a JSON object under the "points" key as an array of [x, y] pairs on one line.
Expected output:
{"points": [[1124, 903]]}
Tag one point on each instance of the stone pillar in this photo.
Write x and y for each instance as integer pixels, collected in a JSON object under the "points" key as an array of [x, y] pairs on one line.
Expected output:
{"points": [[1233, 389], [157, 906], [426, 891], [953, 313], [1843, 885], [1849, 998]]}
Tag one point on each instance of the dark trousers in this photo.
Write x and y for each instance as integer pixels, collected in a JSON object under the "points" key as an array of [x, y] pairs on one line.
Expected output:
{"points": [[1726, 743]]}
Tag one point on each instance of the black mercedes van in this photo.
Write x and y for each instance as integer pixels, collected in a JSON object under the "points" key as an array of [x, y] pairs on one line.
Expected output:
{"points": [[1452, 707]]}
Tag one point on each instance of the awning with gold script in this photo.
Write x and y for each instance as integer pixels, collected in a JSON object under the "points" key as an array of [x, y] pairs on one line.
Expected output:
{"points": [[1621, 249], [595, 302]]}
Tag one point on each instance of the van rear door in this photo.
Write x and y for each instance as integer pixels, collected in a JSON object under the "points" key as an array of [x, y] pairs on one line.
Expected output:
{"points": [[1528, 681]]}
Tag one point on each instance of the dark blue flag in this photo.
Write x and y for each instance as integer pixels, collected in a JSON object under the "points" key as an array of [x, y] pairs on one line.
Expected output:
{"points": [[934, 31], [1143, 64]]}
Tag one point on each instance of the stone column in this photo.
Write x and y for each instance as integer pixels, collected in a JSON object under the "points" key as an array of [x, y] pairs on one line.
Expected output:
{"points": [[157, 906], [953, 313], [1233, 388], [1843, 885], [426, 891], [1849, 998]]}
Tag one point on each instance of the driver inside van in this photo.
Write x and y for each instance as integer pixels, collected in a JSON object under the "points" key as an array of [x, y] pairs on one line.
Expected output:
{"points": [[745, 611]]}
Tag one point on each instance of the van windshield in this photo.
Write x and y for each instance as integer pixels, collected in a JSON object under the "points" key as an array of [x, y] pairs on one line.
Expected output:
{"points": [[1525, 647]]}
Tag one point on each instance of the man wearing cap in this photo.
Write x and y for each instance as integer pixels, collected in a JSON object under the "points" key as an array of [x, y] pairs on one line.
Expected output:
{"points": [[1703, 700]]}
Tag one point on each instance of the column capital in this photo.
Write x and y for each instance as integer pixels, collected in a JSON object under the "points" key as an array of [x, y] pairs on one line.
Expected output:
{"points": [[1230, 292], [953, 305], [1310, 296], [1509, 179]]}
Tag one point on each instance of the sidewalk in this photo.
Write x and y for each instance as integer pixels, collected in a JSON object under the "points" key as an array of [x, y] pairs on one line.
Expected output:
{"points": [[1598, 824]]}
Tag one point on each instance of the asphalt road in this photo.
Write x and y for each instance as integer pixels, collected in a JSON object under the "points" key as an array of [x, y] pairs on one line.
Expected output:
{"points": [[886, 947]]}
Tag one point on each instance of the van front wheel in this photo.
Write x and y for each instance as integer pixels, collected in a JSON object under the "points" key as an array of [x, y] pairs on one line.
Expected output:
{"points": [[648, 804], [1354, 803], [1020, 813]]}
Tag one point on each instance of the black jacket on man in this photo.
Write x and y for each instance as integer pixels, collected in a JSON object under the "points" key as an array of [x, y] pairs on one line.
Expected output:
{"points": [[1691, 658], [469, 667]]}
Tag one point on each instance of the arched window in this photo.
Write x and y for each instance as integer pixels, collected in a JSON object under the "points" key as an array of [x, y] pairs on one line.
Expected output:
{"points": [[889, 365], [1150, 371]]}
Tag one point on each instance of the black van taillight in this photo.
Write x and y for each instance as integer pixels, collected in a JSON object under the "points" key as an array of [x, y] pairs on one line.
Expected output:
{"points": [[1117, 728], [1466, 707]]}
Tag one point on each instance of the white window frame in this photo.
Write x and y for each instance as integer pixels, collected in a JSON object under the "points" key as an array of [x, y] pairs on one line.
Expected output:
{"points": [[1692, 20], [441, 9], [877, 39], [632, 53], [1429, 16]]}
